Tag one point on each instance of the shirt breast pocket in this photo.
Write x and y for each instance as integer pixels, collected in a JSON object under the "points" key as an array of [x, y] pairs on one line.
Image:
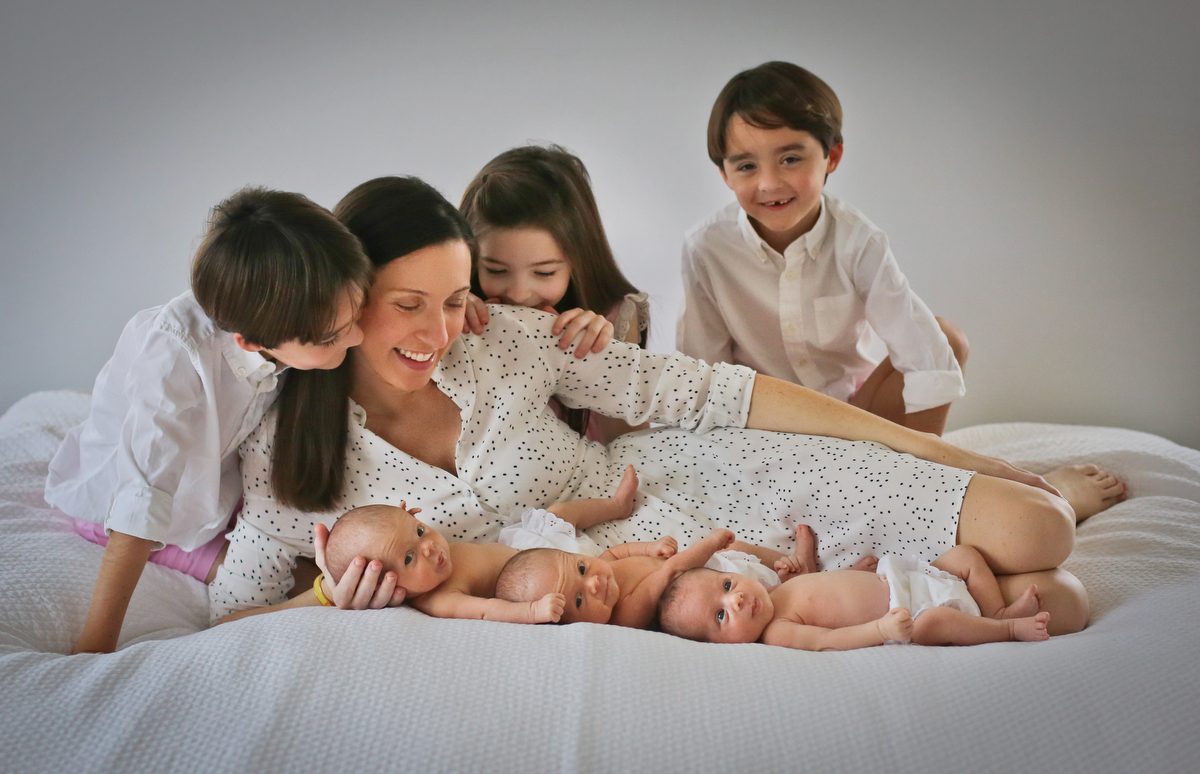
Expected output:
{"points": [[837, 319]]}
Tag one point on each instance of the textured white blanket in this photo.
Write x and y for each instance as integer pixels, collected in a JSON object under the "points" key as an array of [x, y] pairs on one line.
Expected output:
{"points": [[318, 689]]}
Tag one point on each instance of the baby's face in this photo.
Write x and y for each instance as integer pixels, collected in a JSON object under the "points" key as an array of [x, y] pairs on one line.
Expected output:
{"points": [[725, 607], [416, 552], [586, 581]]}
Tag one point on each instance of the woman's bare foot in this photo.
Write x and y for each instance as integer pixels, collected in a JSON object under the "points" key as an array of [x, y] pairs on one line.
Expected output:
{"points": [[1088, 488], [1031, 629], [867, 563], [803, 559], [626, 491], [1023, 606]]}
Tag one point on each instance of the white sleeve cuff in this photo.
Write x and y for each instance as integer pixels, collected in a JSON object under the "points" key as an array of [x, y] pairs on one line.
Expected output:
{"points": [[143, 512], [929, 389]]}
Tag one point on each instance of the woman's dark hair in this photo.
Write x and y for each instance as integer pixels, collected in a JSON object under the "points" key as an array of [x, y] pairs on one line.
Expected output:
{"points": [[548, 187], [392, 217]]}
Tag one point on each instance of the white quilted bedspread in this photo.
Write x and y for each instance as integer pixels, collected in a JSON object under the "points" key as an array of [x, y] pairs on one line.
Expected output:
{"points": [[320, 689]]}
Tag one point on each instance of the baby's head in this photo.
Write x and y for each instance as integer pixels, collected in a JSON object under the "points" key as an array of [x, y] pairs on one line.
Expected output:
{"points": [[710, 606], [416, 552], [586, 581]]}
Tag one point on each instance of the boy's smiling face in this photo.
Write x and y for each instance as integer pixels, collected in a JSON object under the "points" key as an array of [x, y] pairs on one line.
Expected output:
{"points": [[777, 176]]}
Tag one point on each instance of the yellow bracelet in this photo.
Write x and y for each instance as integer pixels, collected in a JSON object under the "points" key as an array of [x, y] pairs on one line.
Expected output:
{"points": [[321, 594]]}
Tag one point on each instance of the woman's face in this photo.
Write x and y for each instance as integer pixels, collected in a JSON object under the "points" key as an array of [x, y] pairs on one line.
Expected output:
{"points": [[523, 266], [414, 311]]}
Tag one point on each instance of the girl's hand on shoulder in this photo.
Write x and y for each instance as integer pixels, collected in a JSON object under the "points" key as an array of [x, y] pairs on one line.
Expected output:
{"points": [[477, 314], [590, 332], [360, 586]]}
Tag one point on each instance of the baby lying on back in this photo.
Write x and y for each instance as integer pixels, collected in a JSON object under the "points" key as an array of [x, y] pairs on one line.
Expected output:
{"points": [[953, 601]]}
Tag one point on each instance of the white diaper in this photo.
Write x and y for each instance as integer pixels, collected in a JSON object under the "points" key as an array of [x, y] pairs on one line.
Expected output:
{"points": [[743, 564], [542, 529], [919, 586]]}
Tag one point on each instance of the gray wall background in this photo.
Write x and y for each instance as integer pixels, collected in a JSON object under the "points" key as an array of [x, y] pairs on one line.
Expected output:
{"points": [[1036, 164]]}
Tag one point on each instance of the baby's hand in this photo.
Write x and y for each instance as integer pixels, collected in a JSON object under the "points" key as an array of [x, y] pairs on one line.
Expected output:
{"points": [[590, 331], [896, 625], [665, 548], [549, 609], [476, 314], [724, 538]]}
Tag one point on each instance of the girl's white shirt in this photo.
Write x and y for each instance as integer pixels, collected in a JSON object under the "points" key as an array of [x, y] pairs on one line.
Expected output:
{"points": [[157, 456]]}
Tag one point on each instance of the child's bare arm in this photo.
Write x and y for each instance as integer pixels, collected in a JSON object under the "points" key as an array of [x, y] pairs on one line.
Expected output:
{"points": [[637, 608], [456, 604], [124, 559], [663, 548], [895, 626]]}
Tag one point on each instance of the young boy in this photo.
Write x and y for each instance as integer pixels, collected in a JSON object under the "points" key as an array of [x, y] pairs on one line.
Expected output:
{"points": [[276, 283], [904, 600], [622, 586], [794, 283]]}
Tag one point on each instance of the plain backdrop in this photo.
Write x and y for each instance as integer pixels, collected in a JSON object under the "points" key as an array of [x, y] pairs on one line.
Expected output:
{"points": [[1035, 164]]}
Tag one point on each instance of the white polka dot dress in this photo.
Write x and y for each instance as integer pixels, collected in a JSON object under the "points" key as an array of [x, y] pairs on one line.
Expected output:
{"points": [[514, 454]]}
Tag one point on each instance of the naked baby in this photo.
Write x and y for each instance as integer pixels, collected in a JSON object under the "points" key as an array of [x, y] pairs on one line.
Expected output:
{"points": [[953, 601], [623, 585]]}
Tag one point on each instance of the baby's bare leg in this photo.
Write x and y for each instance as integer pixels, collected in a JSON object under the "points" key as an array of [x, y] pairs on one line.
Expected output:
{"points": [[1060, 592], [947, 626], [803, 559], [968, 564], [583, 514]]}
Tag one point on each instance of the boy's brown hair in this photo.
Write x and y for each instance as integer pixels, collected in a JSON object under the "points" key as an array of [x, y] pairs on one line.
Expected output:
{"points": [[772, 96], [273, 267]]}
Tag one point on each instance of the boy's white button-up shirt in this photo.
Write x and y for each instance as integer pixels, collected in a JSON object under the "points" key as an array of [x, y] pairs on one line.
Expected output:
{"points": [[815, 314], [157, 456]]}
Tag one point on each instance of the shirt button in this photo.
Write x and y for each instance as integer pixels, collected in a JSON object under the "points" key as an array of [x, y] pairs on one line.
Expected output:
{"points": [[241, 372], [791, 276]]}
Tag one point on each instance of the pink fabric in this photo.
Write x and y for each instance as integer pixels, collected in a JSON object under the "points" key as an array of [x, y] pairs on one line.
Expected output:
{"points": [[197, 563]]}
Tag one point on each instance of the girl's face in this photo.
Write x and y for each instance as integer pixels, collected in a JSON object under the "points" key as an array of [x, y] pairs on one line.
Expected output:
{"points": [[414, 312], [523, 266]]}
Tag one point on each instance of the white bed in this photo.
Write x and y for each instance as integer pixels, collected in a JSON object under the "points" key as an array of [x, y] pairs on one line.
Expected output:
{"points": [[318, 689]]}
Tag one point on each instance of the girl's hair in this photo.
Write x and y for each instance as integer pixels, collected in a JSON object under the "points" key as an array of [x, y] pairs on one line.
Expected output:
{"points": [[548, 187], [273, 266], [391, 217], [772, 96]]}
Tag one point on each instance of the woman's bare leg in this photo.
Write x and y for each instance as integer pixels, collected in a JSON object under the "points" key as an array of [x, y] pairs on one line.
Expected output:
{"points": [[1016, 527], [883, 392], [1089, 488]]}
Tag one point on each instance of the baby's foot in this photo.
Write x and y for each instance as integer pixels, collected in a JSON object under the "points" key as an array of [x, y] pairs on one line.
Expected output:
{"points": [[1088, 488], [1032, 629], [626, 491], [1023, 606], [803, 560], [866, 564]]}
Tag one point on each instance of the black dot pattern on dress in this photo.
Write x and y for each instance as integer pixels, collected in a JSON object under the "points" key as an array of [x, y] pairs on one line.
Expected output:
{"points": [[513, 454]]}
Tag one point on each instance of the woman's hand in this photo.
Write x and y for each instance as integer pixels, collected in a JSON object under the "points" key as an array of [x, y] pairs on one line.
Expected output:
{"points": [[360, 587], [993, 466], [591, 332]]}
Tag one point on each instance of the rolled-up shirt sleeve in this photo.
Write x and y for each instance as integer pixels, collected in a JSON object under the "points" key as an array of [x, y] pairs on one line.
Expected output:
{"points": [[915, 342], [629, 383]]}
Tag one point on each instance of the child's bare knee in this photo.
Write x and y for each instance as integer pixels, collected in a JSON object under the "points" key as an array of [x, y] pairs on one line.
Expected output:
{"points": [[957, 338]]}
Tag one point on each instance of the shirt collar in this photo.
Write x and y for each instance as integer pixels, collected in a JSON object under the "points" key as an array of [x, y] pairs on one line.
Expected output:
{"points": [[250, 366], [808, 243]]}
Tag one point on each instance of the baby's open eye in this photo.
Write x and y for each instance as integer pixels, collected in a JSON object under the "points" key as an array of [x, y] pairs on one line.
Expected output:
{"points": [[727, 585], [578, 601], [408, 558], [582, 568], [720, 616], [420, 532]]}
